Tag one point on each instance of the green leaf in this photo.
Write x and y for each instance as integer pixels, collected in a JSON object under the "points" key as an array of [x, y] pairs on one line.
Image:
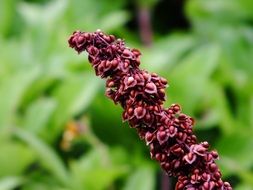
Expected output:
{"points": [[12, 90], [220, 10], [142, 179], [190, 76], [7, 14], [235, 152], [43, 184], [111, 118], [238, 51], [244, 186], [35, 14], [10, 151], [38, 114], [167, 52], [201, 63], [9, 183], [45, 153], [114, 20], [92, 172], [89, 12], [73, 97], [217, 103]]}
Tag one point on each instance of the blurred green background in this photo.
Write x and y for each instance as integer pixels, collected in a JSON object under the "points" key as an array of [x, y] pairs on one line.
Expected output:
{"points": [[59, 132]]}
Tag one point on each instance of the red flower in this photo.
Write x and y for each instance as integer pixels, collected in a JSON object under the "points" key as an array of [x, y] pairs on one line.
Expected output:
{"points": [[167, 131]]}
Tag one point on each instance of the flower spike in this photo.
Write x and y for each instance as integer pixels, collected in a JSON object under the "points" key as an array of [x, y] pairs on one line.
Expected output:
{"points": [[167, 131]]}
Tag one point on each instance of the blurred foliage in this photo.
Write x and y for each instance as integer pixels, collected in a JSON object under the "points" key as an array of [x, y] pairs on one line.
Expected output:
{"points": [[58, 131]]}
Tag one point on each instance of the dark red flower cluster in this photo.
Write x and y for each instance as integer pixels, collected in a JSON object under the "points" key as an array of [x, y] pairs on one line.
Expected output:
{"points": [[167, 131]]}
